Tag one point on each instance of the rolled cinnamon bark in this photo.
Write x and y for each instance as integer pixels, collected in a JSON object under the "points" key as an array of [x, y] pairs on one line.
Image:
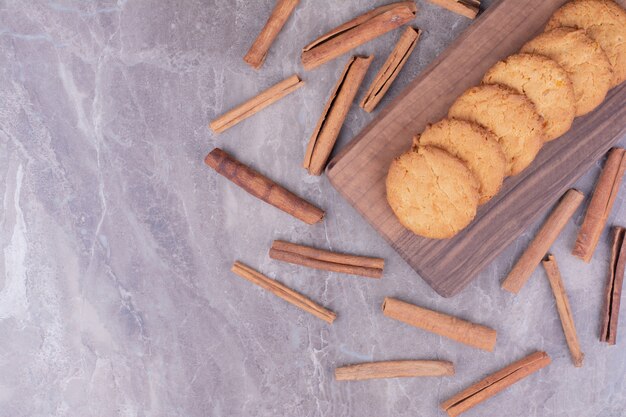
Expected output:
{"points": [[326, 260], [390, 69], [540, 245], [329, 125], [262, 187], [494, 383], [258, 51], [565, 312], [356, 32], [283, 292], [393, 369], [613, 289], [471, 334], [600, 205], [256, 104], [467, 8]]}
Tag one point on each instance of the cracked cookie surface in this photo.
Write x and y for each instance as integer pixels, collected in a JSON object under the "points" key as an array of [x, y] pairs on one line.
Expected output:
{"points": [[604, 21], [544, 82], [582, 58], [510, 116], [477, 147], [432, 193]]}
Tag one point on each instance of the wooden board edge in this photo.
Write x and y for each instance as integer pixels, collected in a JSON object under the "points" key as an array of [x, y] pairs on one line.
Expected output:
{"points": [[336, 165], [475, 25], [441, 291]]}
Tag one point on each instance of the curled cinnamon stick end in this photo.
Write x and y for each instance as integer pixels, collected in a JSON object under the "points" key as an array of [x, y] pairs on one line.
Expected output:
{"points": [[613, 289], [471, 334], [356, 32], [467, 8], [283, 292], [540, 245], [259, 49], [326, 260], [393, 369], [565, 312], [390, 69], [329, 125], [262, 187], [600, 205], [494, 383]]}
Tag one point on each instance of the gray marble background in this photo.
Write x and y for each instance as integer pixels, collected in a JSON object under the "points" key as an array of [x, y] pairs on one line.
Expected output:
{"points": [[115, 293]]}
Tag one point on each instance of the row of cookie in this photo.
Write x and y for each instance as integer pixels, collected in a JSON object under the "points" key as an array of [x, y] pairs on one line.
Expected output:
{"points": [[496, 129]]}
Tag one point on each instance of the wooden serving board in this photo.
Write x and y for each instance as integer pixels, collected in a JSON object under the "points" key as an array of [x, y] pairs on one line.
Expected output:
{"points": [[359, 171]]}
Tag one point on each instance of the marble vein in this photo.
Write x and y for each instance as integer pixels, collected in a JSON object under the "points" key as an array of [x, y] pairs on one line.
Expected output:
{"points": [[116, 241]]}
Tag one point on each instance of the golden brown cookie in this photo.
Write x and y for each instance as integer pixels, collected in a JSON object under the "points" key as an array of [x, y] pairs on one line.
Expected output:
{"points": [[604, 21], [582, 58], [432, 193], [477, 147], [510, 116], [545, 83]]}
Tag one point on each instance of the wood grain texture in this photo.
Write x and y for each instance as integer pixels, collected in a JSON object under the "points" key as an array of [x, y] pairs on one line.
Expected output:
{"points": [[359, 171]]}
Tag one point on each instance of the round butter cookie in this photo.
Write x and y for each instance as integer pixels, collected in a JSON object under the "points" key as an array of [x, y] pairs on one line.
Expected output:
{"points": [[604, 21], [545, 83], [477, 147], [582, 58], [510, 116], [432, 193]]}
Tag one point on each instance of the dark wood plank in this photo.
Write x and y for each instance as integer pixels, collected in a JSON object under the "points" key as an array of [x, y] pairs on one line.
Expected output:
{"points": [[359, 171]]}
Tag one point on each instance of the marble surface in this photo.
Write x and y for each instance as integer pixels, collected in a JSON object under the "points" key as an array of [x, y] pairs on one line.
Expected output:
{"points": [[115, 293]]}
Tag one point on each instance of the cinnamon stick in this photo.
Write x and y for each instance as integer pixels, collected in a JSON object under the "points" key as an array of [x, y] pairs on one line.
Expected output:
{"points": [[390, 69], [283, 292], [327, 130], [326, 260], [258, 51], [565, 313], [256, 104], [548, 233], [600, 205], [613, 290], [454, 328], [467, 8], [494, 383], [356, 32], [262, 187], [393, 369]]}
